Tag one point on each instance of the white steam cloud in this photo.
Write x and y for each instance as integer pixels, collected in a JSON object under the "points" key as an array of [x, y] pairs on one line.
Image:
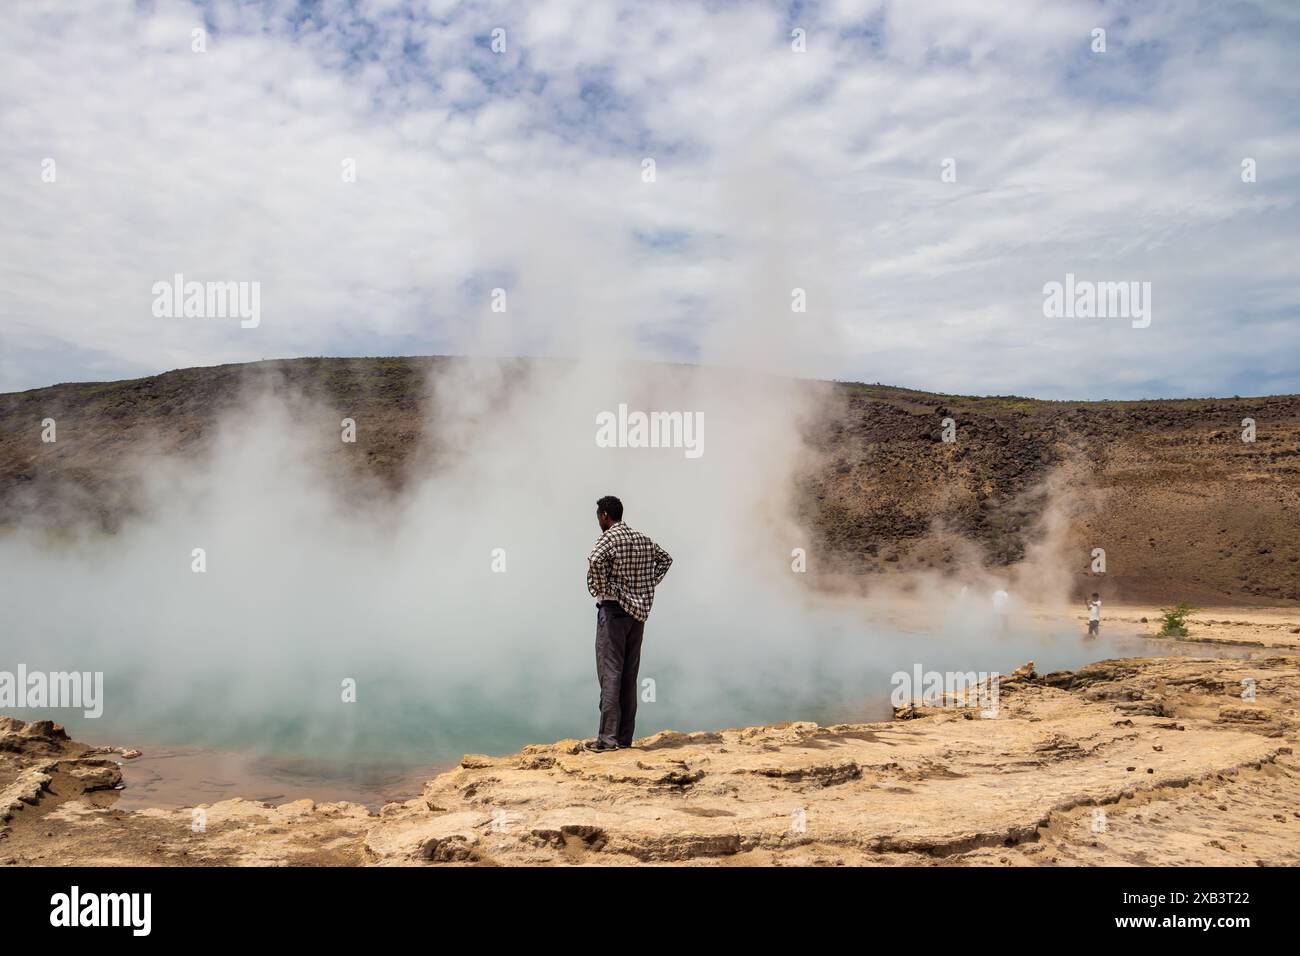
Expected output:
{"points": [[311, 580]]}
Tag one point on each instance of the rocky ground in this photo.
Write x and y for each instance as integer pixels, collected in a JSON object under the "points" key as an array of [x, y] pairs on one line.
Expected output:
{"points": [[1144, 761], [1184, 509], [1245, 627]]}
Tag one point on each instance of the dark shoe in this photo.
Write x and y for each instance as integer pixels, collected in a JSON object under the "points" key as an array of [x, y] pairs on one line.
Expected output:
{"points": [[596, 747]]}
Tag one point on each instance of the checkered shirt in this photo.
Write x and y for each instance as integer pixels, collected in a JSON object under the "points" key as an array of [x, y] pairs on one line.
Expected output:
{"points": [[626, 566]]}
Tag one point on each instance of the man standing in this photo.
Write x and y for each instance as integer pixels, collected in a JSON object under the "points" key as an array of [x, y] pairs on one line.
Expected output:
{"points": [[1094, 615], [623, 570]]}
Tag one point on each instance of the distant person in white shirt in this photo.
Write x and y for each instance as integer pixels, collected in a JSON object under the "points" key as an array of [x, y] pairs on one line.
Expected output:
{"points": [[1000, 601], [1094, 615]]}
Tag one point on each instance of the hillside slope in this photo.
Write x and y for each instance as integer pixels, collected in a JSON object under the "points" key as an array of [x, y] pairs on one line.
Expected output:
{"points": [[1184, 508]]}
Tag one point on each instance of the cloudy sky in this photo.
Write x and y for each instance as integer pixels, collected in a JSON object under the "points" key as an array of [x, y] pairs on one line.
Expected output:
{"points": [[794, 147]]}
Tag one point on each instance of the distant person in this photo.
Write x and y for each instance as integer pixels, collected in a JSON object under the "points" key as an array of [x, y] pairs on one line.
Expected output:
{"points": [[1001, 600], [623, 570], [1094, 615]]}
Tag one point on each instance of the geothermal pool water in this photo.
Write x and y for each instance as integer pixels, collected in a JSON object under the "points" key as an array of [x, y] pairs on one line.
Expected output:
{"points": [[386, 752]]}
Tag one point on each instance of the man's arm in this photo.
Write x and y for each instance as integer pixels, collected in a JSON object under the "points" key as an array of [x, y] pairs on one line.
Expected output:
{"points": [[663, 561], [598, 567]]}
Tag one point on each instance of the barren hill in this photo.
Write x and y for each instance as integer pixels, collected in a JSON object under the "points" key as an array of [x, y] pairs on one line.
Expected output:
{"points": [[1184, 507]]}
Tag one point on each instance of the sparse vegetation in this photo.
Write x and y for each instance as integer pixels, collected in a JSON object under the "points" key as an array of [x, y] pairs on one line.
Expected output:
{"points": [[1173, 620]]}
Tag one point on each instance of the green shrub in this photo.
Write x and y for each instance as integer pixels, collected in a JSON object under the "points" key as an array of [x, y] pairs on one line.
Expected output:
{"points": [[1174, 620]]}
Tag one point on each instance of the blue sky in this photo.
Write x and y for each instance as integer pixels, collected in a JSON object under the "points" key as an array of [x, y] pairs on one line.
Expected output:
{"points": [[522, 169]]}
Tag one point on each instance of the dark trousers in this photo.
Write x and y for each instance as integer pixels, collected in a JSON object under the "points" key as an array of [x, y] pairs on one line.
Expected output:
{"points": [[618, 657]]}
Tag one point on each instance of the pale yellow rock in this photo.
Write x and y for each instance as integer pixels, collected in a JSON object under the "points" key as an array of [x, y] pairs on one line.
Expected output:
{"points": [[1156, 761], [438, 838]]}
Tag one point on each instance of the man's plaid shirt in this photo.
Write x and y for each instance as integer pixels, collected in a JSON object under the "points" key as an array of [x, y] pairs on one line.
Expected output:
{"points": [[626, 566]]}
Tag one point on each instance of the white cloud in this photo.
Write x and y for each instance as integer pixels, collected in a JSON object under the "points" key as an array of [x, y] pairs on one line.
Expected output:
{"points": [[775, 169]]}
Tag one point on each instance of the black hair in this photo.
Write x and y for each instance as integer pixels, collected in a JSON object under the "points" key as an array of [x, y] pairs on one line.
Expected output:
{"points": [[1095, 594], [611, 506]]}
